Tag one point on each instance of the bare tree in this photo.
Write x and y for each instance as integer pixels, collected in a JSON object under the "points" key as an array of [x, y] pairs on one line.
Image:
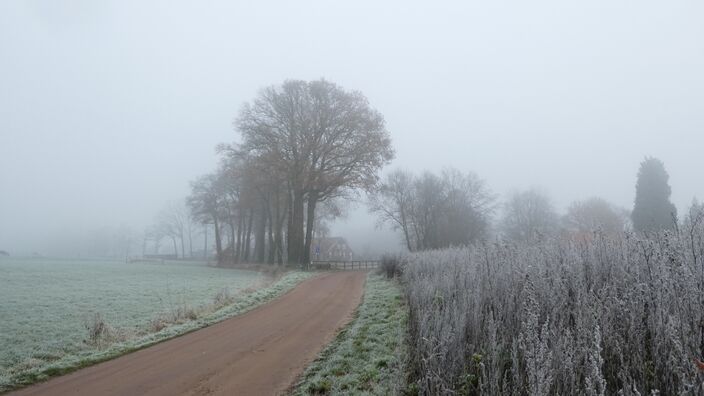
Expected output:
{"points": [[324, 139], [174, 221], [393, 203], [467, 208], [595, 214], [427, 209], [169, 223], [435, 211], [154, 235], [529, 215], [205, 203]]}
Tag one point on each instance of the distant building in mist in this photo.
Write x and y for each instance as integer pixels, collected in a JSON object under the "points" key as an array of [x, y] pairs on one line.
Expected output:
{"points": [[334, 248]]}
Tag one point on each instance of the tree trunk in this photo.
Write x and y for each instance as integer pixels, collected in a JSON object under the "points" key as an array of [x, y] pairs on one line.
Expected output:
{"points": [[260, 235], [279, 231], [271, 253], [183, 248], [173, 239], [406, 232], [248, 239], [190, 241], [218, 242], [289, 224], [237, 252], [233, 259], [408, 239], [312, 202], [295, 230], [205, 241]]}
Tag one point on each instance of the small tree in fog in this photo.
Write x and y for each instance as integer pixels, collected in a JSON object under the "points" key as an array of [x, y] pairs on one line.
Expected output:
{"points": [[595, 214], [528, 215], [154, 236], [693, 230], [427, 210], [694, 216], [466, 210], [434, 211], [393, 202], [653, 210], [174, 222], [205, 204]]}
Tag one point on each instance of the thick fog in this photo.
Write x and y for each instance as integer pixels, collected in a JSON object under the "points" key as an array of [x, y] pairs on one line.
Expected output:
{"points": [[109, 109]]}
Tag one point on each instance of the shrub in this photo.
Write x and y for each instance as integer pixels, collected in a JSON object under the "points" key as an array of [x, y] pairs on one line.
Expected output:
{"points": [[223, 297], [390, 266], [157, 324], [98, 330], [183, 313]]}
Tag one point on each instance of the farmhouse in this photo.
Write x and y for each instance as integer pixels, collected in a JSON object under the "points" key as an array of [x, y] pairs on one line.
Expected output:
{"points": [[335, 248]]}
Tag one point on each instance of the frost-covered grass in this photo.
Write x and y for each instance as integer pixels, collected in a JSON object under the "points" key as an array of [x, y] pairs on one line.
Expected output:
{"points": [[50, 307], [589, 315], [368, 356]]}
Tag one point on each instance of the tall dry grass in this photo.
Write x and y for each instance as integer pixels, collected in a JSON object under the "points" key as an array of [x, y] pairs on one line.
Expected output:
{"points": [[598, 315]]}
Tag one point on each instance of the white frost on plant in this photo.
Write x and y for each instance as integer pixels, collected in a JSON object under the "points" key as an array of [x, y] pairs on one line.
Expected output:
{"points": [[600, 314]]}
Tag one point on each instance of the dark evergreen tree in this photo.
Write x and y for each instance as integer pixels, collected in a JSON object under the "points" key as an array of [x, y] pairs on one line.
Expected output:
{"points": [[653, 210]]}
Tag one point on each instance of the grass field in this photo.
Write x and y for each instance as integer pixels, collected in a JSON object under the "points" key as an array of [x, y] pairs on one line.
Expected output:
{"points": [[369, 356], [48, 306]]}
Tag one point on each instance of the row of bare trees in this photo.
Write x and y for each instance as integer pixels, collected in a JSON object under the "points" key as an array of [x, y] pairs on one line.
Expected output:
{"points": [[303, 146], [176, 225], [453, 209], [434, 211], [530, 215]]}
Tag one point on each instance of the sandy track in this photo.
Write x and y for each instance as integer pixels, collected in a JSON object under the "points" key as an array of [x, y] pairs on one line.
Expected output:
{"points": [[258, 353]]}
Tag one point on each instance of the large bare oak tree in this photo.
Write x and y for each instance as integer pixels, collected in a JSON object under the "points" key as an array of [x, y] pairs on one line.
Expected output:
{"points": [[326, 141]]}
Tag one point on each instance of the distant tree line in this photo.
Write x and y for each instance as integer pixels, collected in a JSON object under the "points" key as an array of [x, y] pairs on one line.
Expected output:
{"points": [[434, 211]]}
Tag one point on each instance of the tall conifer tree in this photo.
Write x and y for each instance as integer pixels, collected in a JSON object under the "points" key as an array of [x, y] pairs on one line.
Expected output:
{"points": [[653, 210]]}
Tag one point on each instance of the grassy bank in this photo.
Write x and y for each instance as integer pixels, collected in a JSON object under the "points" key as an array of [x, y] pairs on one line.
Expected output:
{"points": [[368, 356], [104, 340]]}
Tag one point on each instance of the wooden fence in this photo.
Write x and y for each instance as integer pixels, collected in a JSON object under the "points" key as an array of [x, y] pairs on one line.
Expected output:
{"points": [[345, 265]]}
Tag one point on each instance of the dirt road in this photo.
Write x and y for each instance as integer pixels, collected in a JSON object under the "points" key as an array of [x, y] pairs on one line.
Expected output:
{"points": [[257, 353]]}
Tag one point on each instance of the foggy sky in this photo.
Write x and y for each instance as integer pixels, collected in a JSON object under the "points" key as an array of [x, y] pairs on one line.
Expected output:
{"points": [[108, 109]]}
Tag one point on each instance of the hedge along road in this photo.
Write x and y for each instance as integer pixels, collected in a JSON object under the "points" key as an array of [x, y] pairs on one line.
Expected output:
{"points": [[258, 353]]}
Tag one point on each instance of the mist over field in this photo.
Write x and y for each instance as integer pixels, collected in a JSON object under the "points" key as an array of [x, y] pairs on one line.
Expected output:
{"points": [[342, 198], [108, 110]]}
